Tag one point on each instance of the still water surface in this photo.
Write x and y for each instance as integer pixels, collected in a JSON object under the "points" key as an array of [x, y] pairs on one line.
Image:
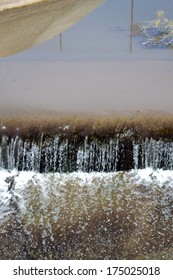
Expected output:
{"points": [[97, 65]]}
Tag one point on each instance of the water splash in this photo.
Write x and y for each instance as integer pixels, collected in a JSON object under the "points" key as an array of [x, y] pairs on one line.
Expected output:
{"points": [[87, 215]]}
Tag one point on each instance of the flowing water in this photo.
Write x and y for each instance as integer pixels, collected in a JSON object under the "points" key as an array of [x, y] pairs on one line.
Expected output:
{"points": [[63, 155], [86, 132]]}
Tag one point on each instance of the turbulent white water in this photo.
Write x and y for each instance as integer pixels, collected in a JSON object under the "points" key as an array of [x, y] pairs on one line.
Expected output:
{"points": [[56, 214], [14, 185]]}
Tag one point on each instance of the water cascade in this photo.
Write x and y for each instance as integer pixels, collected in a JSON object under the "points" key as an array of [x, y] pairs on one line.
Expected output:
{"points": [[50, 211], [57, 154]]}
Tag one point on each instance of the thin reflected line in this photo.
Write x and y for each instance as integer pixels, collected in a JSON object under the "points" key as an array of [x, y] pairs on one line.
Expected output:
{"points": [[131, 25], [60, 42]]}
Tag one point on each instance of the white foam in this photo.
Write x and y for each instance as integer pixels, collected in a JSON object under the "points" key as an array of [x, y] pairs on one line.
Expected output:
{"points": [[160, 176], [148, 177]]}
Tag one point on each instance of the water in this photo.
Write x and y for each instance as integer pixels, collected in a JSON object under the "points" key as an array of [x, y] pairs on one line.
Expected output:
{"points": [[63, 155], [86, 216], [83, 69], [73, 187]]}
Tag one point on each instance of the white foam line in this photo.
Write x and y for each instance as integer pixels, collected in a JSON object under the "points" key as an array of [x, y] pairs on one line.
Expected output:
{"points": [[21, 178]]}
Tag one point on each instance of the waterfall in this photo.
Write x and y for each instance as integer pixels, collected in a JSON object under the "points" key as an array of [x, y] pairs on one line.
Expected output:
{"points": [[57, 154], [155, 154]]}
